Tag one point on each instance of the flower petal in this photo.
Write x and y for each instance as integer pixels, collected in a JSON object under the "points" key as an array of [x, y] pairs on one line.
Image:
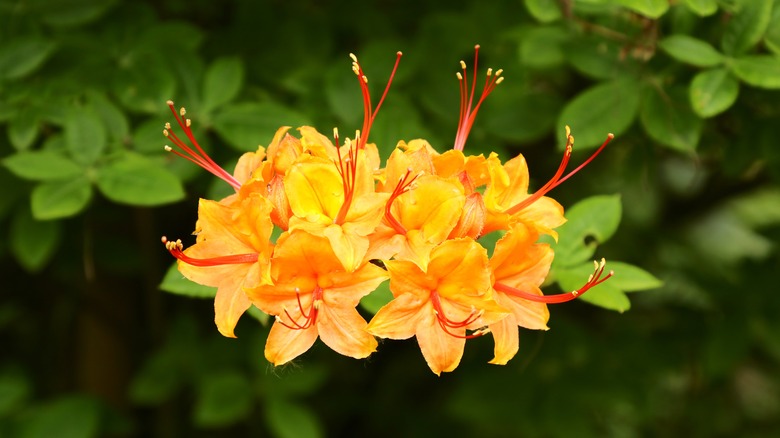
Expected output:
{"points": [[399, 318], [441, 350], [344, 330], [285, 344]]}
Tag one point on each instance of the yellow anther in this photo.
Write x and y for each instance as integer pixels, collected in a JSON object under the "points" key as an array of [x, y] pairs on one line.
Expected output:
{"points": [[165, 132], [490, 72], [335, 132], [167, 148], [500, 80], [169, 102], [167, 125], [188, 123], [182, 111], [460, 76], [462, 65], [365, 79], [354, 58], [499, 71]]}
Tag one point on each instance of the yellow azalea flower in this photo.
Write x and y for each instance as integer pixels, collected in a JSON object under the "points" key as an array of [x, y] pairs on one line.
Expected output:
{"points": [[439, 302], [336, 201], [420, 214], [231, 253], [313, 296], [518, 261]]}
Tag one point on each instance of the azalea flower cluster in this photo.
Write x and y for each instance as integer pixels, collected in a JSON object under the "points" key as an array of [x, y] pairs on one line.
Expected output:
{"points": [[348, 224]]}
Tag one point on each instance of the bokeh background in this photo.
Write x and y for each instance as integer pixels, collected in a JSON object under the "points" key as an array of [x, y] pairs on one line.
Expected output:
{"points": [[92, 347]]}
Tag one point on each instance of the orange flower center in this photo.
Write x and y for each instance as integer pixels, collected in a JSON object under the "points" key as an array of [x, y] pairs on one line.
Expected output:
{"points": [[309, 317]]}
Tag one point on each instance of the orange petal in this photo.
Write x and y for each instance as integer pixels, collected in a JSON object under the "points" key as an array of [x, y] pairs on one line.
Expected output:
{"points": [[507, 340], [285, 344], [399, 318], [344, 330], [441, 350]]}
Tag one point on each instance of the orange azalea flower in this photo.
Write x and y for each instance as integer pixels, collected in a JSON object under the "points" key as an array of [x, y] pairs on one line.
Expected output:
{"points": [[312, 295], [231, 253], [420, 214], [336, 201], [439, 302], [518, 261], [518, 267]]}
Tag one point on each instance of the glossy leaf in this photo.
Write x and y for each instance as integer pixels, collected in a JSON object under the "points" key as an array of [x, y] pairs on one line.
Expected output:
{"points": [[24, 128], [247, 125], [703, 8], [745, 28], [136, 180], [648, 8], [630, 278], [542, 47], [224, 79], [85, 135], [113, 118], [222, 399], [69, 416], [589, 223], [772, 35], [288, 419], [22, 56], [42, 166], [545, 11], [33, 242], [175, 283], [59, 199], [759, 70], [72, 12], [691, 50], [713, 91], [669, 119], [602, 109]]}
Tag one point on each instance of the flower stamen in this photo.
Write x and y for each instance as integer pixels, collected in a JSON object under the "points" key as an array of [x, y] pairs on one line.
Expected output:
{"points": [[447, 324], [197, 155], [403, 186], [594, 279], [177, 250], [557, 180], [467, 113], [368, 114], [310, 317]]}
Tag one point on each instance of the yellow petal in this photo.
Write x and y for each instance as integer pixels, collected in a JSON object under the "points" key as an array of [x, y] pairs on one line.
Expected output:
{"points": [[314, 190], [399, 318]]}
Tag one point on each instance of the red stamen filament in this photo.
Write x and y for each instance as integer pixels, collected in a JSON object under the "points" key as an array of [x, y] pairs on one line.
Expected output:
{"points": [[467, 113], [198, 155], [310, 317], [368, 114], [595, 279], [347, 168], [176, 250], [447, 324], [556, 180], [402, 187]]}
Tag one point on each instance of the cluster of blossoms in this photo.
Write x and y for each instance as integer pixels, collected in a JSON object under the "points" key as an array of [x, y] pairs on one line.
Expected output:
{"points": [[348, 225]]}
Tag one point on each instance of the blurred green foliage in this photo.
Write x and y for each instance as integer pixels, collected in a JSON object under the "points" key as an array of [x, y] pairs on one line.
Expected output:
{"points": [[689, 87]]}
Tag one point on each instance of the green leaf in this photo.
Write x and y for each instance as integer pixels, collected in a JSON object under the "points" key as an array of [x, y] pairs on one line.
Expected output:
{"points": [[247, 125], [630, 278], [58, 199], [589, 223], [42, 166], [112, 117], [23, 128], [648, 8], [65, 417], [378, 298], [669, 119], [398, 120], [691, 50], [223, 399], [772, 35], [223, 81], [606, 295], [175, 283], [14, 391], [745, 28], [145, 82], [599, 110], [598, 58], [545, 11], [160, 379], [713, 91], [542, 47], [33, 242], [23, 55], [71, 12], [520, 116], [758, 70], [288, 419], [85, 135], [136, 180], [702, 8]]}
